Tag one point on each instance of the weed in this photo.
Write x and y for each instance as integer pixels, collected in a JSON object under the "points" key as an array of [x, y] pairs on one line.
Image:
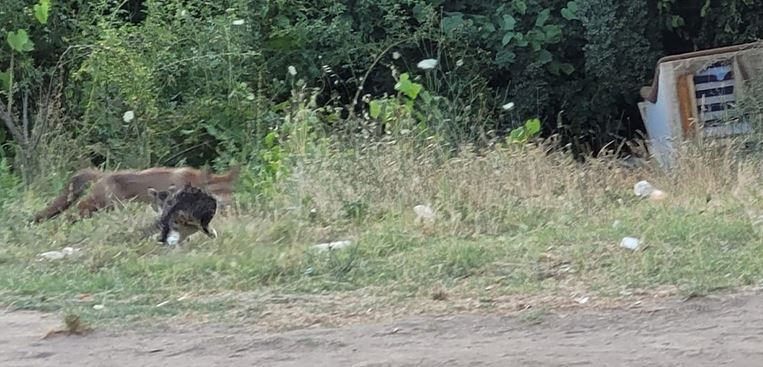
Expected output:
{"points": [[528, 222]]}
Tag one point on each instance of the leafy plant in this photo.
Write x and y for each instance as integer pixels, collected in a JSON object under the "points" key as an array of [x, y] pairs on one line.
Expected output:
{"points": [[522, 134], [26, 134]]}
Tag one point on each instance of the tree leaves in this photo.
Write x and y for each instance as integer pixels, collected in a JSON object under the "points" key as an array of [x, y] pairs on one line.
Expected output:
{"points": [[19, 41], [374, 109], [544, 57], [5, 80], [450, 23], [407, 87], [520, 6], [522, 134], [571, 11], [41, 11], [509, 23], [532, 126], [542, 17]]}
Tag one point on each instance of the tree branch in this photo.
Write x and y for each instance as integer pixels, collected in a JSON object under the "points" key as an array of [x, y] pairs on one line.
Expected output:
{"points": [[25, 116], [8, 119]]}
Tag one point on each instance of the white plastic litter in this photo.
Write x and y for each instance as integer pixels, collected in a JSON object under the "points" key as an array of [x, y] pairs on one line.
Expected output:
{"points": [[643, 189], [424, 213], [336, 245], [58, 255], [631, 243]]}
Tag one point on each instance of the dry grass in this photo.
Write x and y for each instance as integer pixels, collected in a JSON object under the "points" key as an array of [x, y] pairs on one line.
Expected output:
{"points": [[515, 229]]}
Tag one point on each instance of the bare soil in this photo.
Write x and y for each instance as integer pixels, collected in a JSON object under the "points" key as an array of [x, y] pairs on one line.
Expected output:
{"points": [[708, 331]]}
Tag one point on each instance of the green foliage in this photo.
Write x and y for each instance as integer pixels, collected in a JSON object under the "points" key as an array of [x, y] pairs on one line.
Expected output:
{"points": [[208, 81], [19, 41], [522, 134], [9, 183], [407, 87], [713, 23], [41, 11]]}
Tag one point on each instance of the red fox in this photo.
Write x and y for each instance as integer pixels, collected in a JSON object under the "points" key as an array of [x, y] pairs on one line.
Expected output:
{"points": [[126, 185]]}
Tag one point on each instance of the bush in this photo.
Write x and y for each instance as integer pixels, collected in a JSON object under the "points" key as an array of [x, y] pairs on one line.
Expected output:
{"points": [[197, 82]]}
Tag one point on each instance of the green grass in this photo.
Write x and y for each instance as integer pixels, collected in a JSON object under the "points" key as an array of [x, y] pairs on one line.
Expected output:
{"points": [[499, 237], [692, 250]]}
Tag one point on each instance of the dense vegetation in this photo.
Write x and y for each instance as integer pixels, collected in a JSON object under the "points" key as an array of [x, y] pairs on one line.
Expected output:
{"points": [[347, 115], [141, 82]]}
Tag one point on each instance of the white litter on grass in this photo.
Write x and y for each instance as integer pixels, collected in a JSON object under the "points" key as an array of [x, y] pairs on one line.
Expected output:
{"points": [[644, 189], [71, 251], [173, 238], [162, 303], [336, 245], [58, 255], [424, 213], [52, 255], [128, 116], [98, 307], [631, 243], [427, 64]]}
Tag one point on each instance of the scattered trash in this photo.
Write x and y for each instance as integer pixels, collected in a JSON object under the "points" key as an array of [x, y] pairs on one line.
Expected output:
{"points": [[58, 255], [163, 303], [582, 300], [657, 195], [427, 64], [128, 116], [631, 243], [52, 255], [336, 245], [98, 307], [644, 189], [424, 213], [70, 251]]}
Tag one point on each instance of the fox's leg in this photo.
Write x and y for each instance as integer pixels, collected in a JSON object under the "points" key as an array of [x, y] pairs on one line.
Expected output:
{"points": [[90, 205], [100, 199]]}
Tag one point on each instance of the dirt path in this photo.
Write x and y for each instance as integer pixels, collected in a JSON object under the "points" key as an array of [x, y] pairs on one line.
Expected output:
{"points": [[699, 332]]}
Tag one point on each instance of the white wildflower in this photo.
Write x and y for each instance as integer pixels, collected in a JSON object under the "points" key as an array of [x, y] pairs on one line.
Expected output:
{"points": [[128, 116], [427, 64], [508, 107], [238, 22], [396, 55], [292, 70]]}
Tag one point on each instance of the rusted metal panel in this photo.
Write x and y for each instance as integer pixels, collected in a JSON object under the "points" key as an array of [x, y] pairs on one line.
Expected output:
{"points": [[686, 107]]}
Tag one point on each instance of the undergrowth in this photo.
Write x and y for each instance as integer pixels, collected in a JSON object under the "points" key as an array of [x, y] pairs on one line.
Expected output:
{"points": [[513, 222]]}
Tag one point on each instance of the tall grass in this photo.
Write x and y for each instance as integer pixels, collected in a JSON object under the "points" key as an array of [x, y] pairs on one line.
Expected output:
{"points": [[510, 223]]}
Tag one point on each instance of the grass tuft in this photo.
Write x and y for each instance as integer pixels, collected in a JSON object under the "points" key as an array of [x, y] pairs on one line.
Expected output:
{"points": [[511, 226]]}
